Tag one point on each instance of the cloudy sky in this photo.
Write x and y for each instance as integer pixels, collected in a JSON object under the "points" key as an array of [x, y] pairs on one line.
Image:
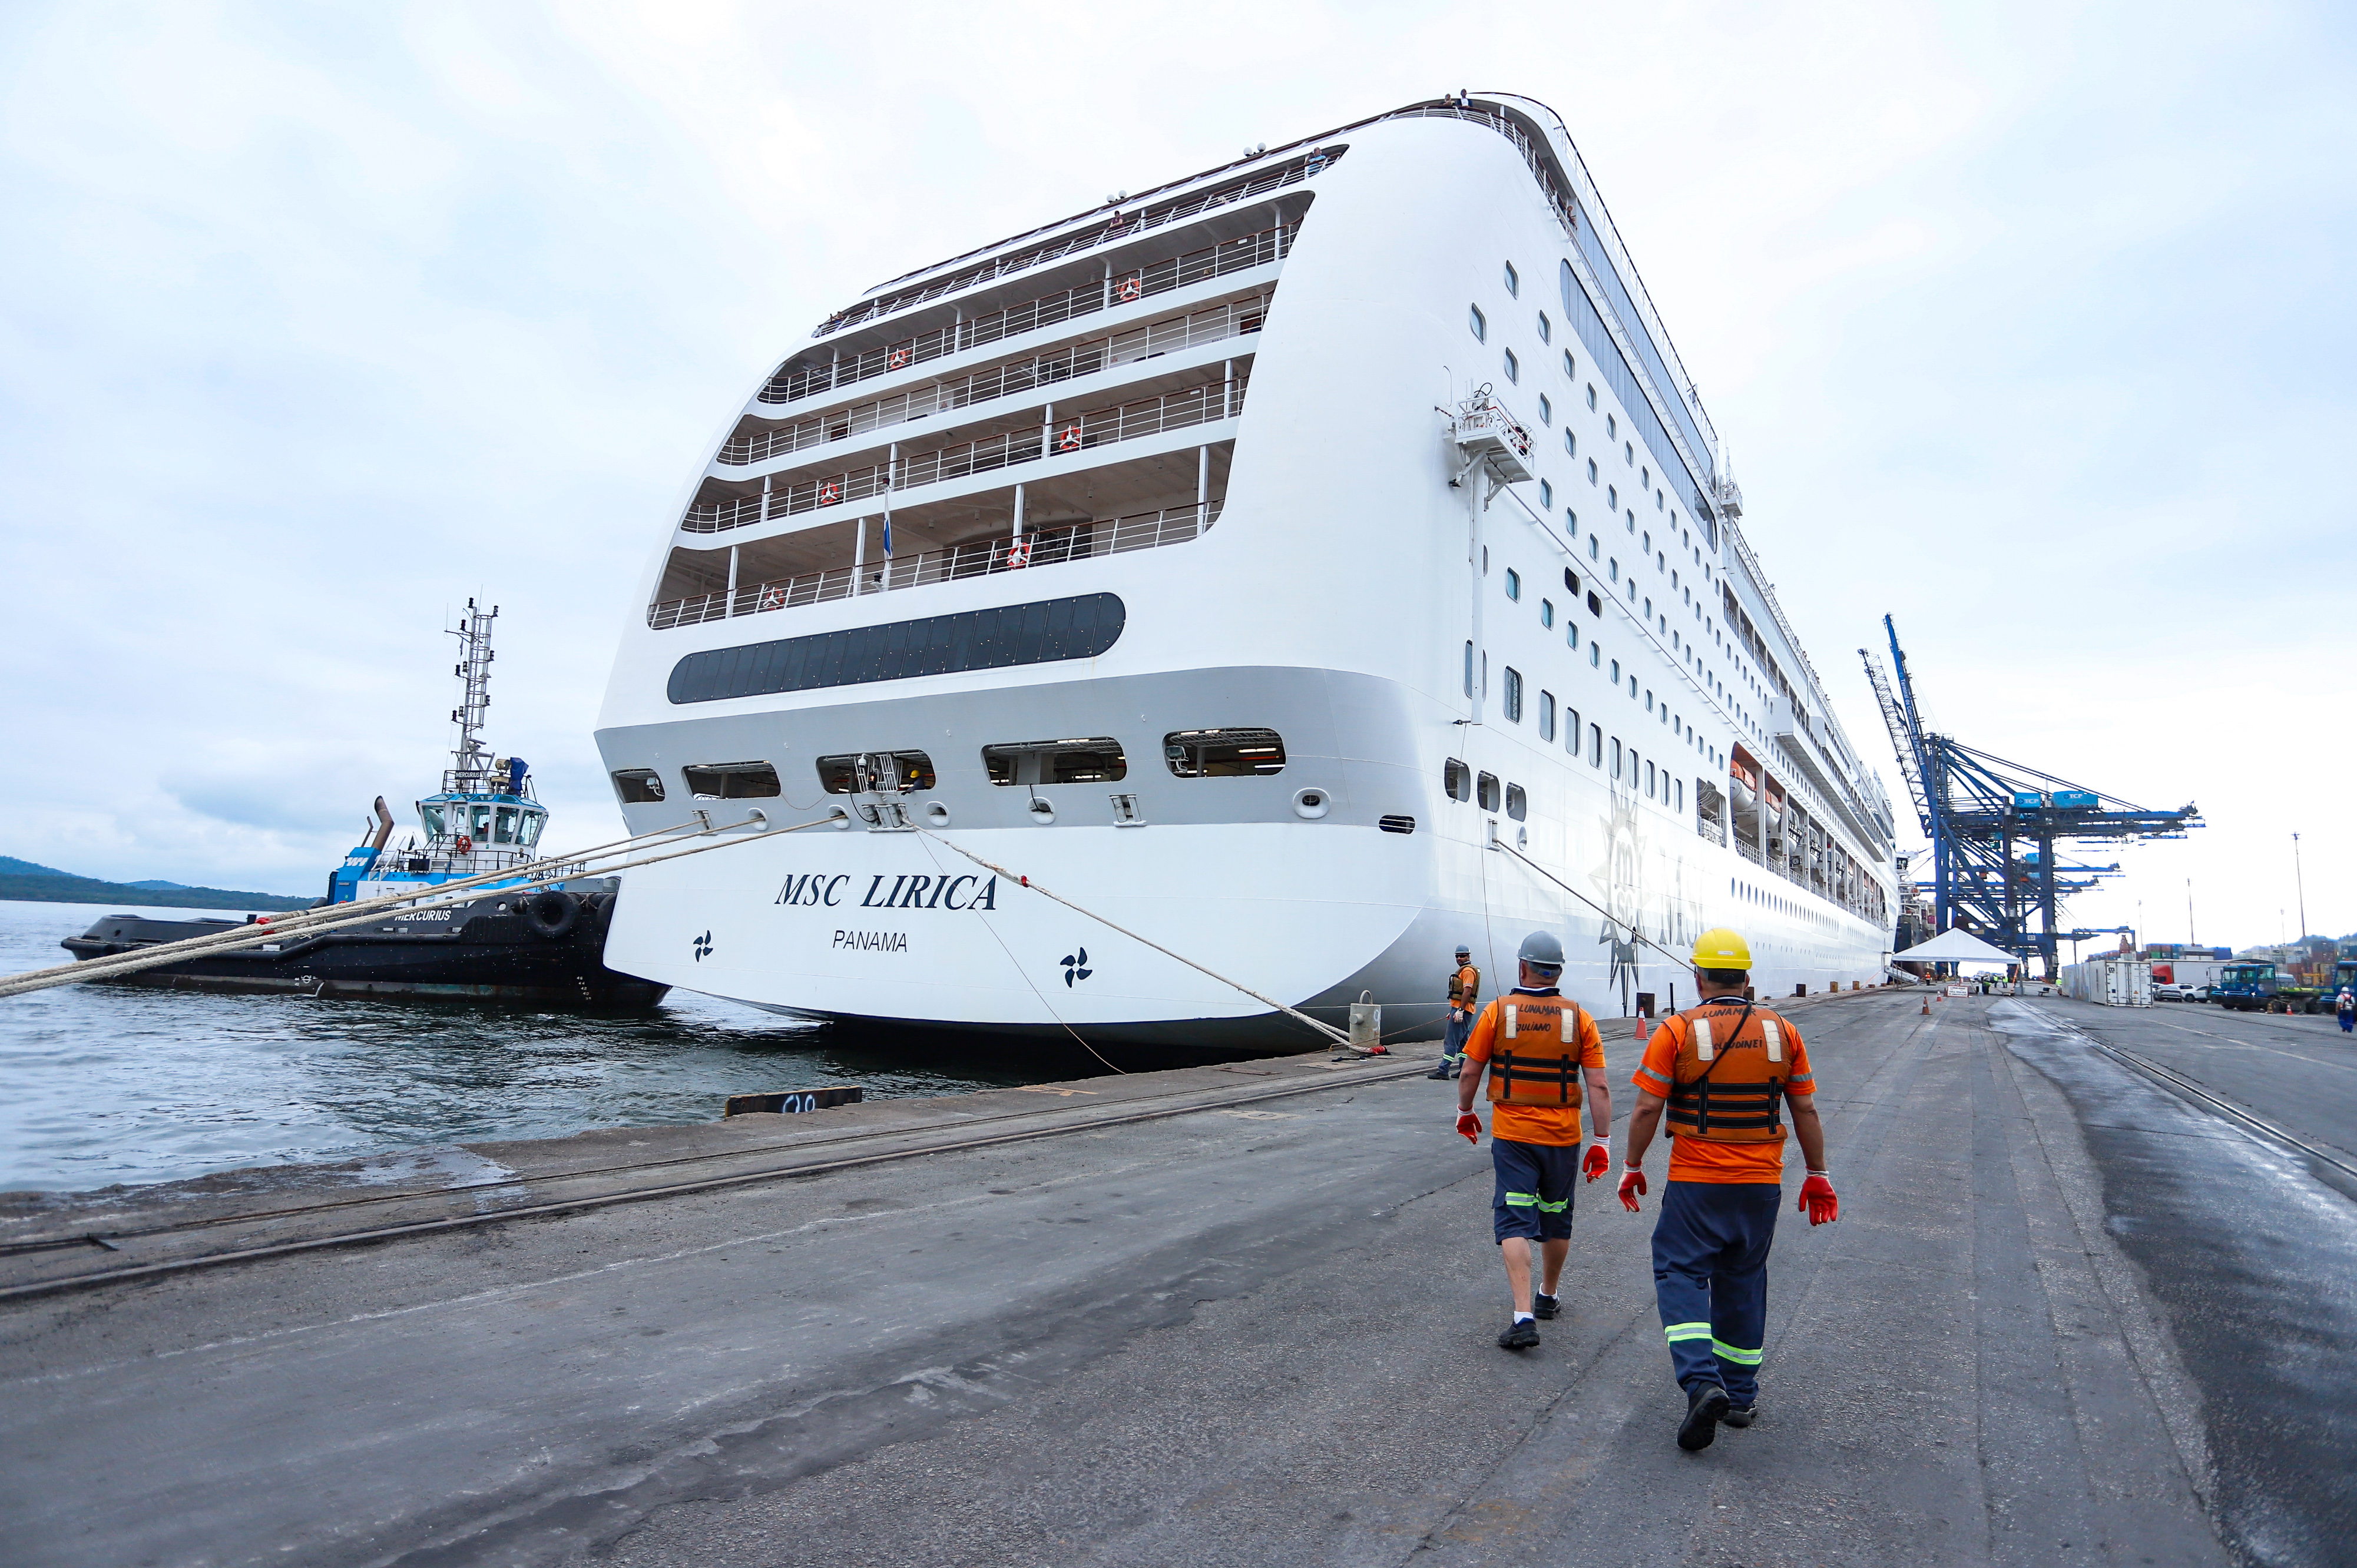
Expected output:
{"points": [[2024, 322]]}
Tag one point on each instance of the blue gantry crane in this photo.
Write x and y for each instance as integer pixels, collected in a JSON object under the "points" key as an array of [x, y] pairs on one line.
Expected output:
{"points": [[1995, 824]]}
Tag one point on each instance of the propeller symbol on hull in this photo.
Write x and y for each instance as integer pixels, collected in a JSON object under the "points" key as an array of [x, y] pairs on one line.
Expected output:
{"points": [[702, 945], [1076, 966]]}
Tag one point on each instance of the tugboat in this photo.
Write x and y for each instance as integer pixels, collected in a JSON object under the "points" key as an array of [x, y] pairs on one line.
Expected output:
{"points": [[506, 941]]}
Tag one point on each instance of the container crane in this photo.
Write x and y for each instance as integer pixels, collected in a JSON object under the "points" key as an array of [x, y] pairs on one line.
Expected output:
{"points": [[1994, 825]]}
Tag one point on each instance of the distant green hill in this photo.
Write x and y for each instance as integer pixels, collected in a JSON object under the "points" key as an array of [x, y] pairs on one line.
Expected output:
{"points": [[22, 880]]}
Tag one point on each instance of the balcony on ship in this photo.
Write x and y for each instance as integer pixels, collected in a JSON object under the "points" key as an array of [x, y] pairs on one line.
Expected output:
{"points": [[1142, 503], [757, 439], [1029, 434], [1229, 243]]}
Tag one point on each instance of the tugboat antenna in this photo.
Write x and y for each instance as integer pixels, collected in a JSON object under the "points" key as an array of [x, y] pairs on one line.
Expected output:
{"points": [[472, 758]]}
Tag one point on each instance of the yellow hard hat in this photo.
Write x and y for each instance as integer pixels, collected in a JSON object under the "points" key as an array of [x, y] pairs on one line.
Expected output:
{"points": [[1720, 948]]}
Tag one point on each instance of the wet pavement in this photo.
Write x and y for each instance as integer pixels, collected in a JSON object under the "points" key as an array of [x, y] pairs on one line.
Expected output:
{"points": [[2066, 1317]]}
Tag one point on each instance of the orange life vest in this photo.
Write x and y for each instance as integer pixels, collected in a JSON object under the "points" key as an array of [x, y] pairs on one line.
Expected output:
{"points": [[1534, 1050], [1730, 1074]]}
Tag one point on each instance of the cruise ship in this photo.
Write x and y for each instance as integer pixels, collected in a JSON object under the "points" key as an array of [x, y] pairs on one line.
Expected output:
{"points": [[1299, 569]]}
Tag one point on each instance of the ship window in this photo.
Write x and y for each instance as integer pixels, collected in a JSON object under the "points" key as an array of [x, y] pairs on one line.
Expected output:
{"points": [[1513, 695], [1570, 367], [1596, 745], [839, 775], [1546, 715], [1611, 496], [1571, 730], [1615, 757], [430, 812], [1546, 495], [481, 816], [1649, 780], [1571, 633], [1591, 394], [1485, 790], [1223, 753], [1514, 366], [635, 786], [1546, 612], [1098, 760], [1546, 328], [1478, 322], [1611, 427], [1546, 410], [1039, 632], [1513, 584], [1458, 779], [503, 825], [1571, 442], [1469, 669], [529, 835], [1591, 471], [1518, 804], [729, 780], [1514, 281]]}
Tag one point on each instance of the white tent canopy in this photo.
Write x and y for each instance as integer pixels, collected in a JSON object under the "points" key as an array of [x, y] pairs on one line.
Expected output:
{"points": [[1954, 945]]}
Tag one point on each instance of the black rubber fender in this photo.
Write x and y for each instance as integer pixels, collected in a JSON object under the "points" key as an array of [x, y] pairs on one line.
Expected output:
{"points": [[551, 913]]}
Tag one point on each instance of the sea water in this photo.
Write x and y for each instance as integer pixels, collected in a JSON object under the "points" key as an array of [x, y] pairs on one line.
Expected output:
{"points": [[102, 1084]]}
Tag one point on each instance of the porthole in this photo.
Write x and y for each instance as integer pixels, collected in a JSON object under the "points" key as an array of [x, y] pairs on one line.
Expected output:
{"points": [[1311, 804]]}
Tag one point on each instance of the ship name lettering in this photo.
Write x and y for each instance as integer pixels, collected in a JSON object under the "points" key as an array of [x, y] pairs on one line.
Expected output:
{"points": [[811, 889], [872, 941]]}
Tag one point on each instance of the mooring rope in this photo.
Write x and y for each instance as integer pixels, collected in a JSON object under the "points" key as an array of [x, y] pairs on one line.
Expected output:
{"points": [[1339, 1036], [336, 917]]}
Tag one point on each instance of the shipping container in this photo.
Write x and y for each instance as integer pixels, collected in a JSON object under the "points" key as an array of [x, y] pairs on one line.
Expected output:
{"points": [[2109, 981]]}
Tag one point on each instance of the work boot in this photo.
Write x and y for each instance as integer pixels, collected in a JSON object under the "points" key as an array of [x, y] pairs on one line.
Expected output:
{"points": [[1521, 1335], [1742, 1414], [1545, 1305], [1456, 1068], [1706, 1405], [1441, 1071]]}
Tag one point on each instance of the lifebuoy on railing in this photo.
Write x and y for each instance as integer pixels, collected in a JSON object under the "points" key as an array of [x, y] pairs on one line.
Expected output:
{"points": [[828, 493], [773, 599], [1069, 441], [465, 845], [898, 358], [1129, 288], [1018, 555]]}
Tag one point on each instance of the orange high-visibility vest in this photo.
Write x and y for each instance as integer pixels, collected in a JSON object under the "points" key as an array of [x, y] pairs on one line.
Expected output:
{"points": [[1464, 986], [1534, 1050], [1730, 1074]]}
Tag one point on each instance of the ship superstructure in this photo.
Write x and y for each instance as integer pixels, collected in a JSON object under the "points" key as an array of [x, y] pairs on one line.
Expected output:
{"points": [[1308, 565]]}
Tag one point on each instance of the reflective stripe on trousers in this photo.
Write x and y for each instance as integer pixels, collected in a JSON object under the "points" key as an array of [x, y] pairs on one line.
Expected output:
{"points": [[1710, 1279], [1533, 1200]]}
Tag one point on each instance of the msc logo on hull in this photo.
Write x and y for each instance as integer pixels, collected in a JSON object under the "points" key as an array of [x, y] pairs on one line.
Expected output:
{"points": [[818, 889]]}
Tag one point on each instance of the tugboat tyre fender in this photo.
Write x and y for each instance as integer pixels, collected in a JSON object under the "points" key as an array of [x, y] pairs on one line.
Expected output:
{"points": [[551, 914]]}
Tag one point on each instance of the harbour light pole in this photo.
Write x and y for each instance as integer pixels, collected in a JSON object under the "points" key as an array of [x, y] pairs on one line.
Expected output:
{"points": [[2190, 938], [2300, 886]]}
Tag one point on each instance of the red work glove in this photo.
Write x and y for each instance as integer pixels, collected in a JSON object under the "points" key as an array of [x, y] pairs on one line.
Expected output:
{"points": [[1471, 1125], [1818, 1198], [1632, 1188], [1597, 1161]]}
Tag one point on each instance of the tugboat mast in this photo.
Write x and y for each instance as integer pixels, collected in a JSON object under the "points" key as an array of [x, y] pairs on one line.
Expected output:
{"points": [[473, 773]]}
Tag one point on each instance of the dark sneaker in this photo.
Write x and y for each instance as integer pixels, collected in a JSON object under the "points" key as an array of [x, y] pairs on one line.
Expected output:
{"points": [[1457, 1069], [1441, 1071], [1742, 1414], [1523, 1335], [1705, 1407], [1545, 1305]]}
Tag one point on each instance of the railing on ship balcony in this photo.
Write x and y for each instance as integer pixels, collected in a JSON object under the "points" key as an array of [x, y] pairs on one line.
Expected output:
{"points": [[1234, 320], [1105, 293], [1071, 432], [1119, 227], [1048, 547]]}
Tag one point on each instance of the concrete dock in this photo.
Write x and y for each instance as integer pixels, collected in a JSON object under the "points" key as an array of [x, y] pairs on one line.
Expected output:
{"points": [[2074, 1312]]}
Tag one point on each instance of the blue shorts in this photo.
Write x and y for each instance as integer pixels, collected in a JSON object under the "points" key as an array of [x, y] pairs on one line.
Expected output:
{"points": [[1534, 1196]]}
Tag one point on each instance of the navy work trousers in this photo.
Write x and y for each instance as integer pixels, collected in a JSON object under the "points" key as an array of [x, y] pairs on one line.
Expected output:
{"points": [[1710, 1280], [1459, 1031]]}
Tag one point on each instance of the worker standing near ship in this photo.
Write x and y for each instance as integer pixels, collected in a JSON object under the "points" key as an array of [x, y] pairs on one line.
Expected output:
{"points": [[1464, 990], [1543, 1056], [1726, 1071]]}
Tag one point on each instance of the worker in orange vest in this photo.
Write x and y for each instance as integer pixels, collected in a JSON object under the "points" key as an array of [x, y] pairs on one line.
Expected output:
{"points": [[1726, 1072], [1543, 1056], [1464, 990]]}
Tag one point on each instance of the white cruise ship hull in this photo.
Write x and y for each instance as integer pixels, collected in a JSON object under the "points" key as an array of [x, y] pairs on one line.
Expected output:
{"points": [[1326, 589]]}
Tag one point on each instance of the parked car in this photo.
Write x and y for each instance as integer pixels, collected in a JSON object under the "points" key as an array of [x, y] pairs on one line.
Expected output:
{"points": [[2180, 993]]}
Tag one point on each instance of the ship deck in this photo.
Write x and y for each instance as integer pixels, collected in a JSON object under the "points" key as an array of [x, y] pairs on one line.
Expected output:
{"points": [[1239, 1314]]}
